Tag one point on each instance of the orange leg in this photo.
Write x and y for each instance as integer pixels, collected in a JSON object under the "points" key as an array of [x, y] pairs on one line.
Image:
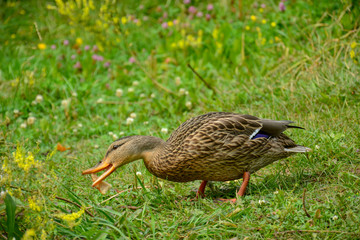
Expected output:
{"points": [[201, 191], [246, 178], [241, 192]]}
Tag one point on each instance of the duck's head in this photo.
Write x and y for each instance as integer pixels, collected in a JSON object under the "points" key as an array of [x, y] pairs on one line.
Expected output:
{"points": [[121, 152]]}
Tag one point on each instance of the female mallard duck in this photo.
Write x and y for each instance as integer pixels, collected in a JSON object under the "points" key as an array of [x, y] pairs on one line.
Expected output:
{"points": [[215, 146]]}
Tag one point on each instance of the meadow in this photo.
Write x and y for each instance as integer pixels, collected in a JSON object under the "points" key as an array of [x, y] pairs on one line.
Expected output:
{"points": [[76, 75]]}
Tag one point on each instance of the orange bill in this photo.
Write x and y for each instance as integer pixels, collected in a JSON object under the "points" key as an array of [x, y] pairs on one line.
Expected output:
{"points": [[101, 166], [104, 175]]}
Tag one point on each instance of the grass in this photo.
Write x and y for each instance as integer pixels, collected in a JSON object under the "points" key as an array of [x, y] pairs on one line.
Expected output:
{"points": [[304, 67]]}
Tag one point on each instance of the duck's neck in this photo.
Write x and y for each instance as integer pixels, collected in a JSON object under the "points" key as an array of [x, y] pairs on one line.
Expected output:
{"points": [[149, 146]]}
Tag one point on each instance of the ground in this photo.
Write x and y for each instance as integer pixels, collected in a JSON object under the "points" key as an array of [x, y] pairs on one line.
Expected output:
{"points": [[75, 75]]}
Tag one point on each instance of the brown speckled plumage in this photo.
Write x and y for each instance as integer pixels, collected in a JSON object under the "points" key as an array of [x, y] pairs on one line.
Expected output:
{"points": [[216, 146]]}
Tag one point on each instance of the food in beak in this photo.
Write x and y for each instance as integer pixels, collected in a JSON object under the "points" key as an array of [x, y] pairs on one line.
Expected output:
{"points": [[102, 186], [101, 166]]}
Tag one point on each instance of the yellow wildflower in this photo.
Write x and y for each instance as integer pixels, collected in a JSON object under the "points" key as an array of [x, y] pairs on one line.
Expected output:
{"points": [[170, 23], [173, 45], [71, 218], [13, 36], [43, 235], [24, 162], [29, 234], [181, 44], [263, 41], [200, 33], [215, 33], [277, 39], [123, 20], [22, 12], [253, 18], [273, 24], [50, 7], [116, 20], [261, 10], [263, 21], [33, 205], [138, 23], [352, 54], [247, 28], [79, 41], [353, 45], [42, 46]]}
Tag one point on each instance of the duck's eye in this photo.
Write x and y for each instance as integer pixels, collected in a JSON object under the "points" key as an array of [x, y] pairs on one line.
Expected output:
{"points": [[116, 146]]}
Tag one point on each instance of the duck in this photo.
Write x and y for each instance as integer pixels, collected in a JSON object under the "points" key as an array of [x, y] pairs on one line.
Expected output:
{"points": [[217, 146]]}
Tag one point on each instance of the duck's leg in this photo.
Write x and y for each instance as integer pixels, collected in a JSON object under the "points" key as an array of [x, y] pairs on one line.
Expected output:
{"points": [[201, 191], [241, 192], [246, 178]]}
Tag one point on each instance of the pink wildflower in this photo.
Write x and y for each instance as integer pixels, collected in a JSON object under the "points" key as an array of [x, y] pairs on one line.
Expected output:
{"points": [[192, 9], [164, 25], [107, 64], [77, 65], [96, 57], [73, 56], [199, 14], [282, 7], [131, 60], [210, 7], [87, 47], [208, 17], [263, 5], [187, 1], [53, 46], [66, 42]]}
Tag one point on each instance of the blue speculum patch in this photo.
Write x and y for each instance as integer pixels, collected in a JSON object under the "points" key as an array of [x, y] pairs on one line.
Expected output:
{"points": [[261, 134]]}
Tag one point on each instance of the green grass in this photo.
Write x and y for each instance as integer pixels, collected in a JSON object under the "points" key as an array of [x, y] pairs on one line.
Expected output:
{"points": [[306, 69]]}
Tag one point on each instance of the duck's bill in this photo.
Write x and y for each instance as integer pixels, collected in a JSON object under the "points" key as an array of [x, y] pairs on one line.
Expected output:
{"points": [[102, 166]]}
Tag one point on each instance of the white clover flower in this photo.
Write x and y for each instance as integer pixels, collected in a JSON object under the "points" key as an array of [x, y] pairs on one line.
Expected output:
{"points": [[106, 124], [80, 125], [186, 93], [317, 147], [153, 95], [262, 201], [335, 218], [130, 90], [114, 136], [146, 122], [188, 104], [65, 103], [133, 115], [2, 194], [31, 120], [129, 121], [121, 133], [276, 192], [177, 81], [182, 91], [75, 130], [39, 99], [16, 111], [142, 95], [110, 133], [100, 100], [119, 92], [74, 94], [135, 83], [164, 130], [96, 146], [33, 103], [139, 174]]}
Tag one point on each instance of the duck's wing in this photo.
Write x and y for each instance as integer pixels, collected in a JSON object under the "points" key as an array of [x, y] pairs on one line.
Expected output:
{"points": [[228, 136]]}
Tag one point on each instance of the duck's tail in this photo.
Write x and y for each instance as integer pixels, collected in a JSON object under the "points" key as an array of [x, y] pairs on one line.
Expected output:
{"points": [[298, 149]]}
